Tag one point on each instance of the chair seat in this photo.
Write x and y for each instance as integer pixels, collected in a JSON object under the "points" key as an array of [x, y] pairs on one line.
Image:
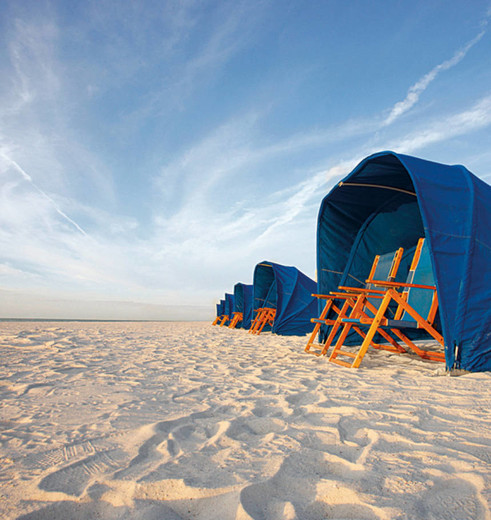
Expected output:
{"points": [[399, 324], [402, 324]]}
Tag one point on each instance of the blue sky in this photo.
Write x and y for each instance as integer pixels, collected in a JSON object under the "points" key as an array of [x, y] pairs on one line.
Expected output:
{"points": [[151, 153]]}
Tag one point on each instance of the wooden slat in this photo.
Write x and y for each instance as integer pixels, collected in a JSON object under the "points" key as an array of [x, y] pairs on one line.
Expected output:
{"points": [[340, 362], [344, 353]]}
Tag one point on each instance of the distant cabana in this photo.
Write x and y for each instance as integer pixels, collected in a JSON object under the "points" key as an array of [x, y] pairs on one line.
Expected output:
{"points": [[389, 201], [219, 313], [228, 309], [223, 317], [243, 304], [289, 292]]}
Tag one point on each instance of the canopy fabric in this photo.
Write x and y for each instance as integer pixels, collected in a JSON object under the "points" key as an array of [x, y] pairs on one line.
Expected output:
{"points": [[219, 309], [289, 291], [229, 304], [243, 299], [390, 200]]}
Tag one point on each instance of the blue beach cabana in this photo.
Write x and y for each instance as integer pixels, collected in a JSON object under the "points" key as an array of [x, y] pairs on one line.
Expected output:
{"points": [[243, 303], [219, 312], [390, 200], [222, 312], [228, 308], [289, 291]]}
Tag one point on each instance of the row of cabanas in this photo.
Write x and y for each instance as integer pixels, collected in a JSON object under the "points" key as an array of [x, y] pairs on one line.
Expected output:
{"points": [[279, 288], [389, 202]]}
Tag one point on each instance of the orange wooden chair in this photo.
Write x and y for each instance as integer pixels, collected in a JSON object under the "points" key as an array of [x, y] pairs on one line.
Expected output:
{"points": [[417, 306], [265, 316], [237, 318], [384, 267], [255, 320], [224, 320]]}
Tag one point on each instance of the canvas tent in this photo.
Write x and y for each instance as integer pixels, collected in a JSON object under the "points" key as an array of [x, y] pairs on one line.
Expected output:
{"points": [[243, 303], [228, 307], [219, 312], [289, 291], [390, 200]]}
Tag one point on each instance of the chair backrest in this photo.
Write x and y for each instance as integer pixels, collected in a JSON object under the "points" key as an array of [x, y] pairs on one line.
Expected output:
{"points": [[421, 273], [385, 267]]}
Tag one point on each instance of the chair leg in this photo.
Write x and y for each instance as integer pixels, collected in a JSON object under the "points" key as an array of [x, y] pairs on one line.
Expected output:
{"points": [[267, 318], [255, 322], [317, 327], [224, 319], [373, 330], [367, 341], [425, 354], [336, 324], [259, 321]]}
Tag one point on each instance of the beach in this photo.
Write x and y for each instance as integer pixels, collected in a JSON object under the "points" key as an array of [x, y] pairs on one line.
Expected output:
{"points": [[183, 420]]}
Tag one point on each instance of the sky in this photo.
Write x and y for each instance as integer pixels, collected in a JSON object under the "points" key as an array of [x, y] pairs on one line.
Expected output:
{"points": [[153, 152]]}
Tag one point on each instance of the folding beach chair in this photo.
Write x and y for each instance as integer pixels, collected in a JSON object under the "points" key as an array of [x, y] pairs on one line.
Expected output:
{"points": [[417, 306], [265, 316], [384, 267], [255, 319], [224, 320], [237, 318]]}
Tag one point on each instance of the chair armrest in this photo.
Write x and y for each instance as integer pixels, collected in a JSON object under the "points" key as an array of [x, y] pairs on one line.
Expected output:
{"points": [[358, 289], [400, 284]]}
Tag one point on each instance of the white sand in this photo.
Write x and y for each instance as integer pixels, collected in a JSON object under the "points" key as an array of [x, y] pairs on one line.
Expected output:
{"points": [[185, 420]]}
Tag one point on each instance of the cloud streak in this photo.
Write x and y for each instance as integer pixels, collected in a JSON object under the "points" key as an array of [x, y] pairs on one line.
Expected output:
{"points": [[475, 118], [422, 84], [28, 178]]}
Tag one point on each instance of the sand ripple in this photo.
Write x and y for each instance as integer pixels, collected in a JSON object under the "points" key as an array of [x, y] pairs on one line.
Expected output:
{"points": [[185, 420]]}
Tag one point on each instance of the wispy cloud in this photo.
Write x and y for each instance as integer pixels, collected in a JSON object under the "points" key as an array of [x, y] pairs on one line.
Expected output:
{"points": [[422, 84], [28, 178], [442, 129], [475, 118], [193, 64]]}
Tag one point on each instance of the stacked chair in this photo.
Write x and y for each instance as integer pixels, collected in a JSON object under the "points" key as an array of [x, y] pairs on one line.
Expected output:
{"points": [[417, 306], [353, 299]]}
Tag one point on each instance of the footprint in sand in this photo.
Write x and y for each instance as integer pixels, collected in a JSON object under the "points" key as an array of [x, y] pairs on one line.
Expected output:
{"points": [[39, 389], [74, 479], [297, 491]]}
